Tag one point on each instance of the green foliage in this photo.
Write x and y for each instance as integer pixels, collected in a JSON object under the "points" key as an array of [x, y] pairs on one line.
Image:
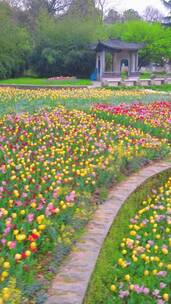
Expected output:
{"points": [[61, 46], [131, 14], [52, 44], [80, 63], [157, 39], [49, 62], [66, 32], [14, 44], [83, 8]]}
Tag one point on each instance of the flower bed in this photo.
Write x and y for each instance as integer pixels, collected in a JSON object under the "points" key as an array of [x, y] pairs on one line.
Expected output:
{"points": [[153, 115], [19, 100], [50, 164], [7, 94], [143, 271], [62, 78]]}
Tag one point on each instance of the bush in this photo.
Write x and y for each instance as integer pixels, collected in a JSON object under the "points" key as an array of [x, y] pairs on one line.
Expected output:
{"points": [[48, 62], [79, 63]]}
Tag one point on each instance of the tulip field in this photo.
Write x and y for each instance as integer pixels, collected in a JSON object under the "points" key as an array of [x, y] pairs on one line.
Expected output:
{"points": [[134, 264], [143, 271], [58, 149], [154, 117], [17, 101]]}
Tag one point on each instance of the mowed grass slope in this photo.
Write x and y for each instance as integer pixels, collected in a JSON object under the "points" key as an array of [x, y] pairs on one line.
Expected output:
{"points": [[45, 82]]}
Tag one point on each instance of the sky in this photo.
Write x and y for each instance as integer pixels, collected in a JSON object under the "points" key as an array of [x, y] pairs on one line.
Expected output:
{"points": [[138, 5]]}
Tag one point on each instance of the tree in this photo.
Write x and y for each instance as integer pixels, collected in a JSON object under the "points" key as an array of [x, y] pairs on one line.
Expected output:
{"points": [[62, 45], [15, 44], [83, 9], [27, 11], [167, 20], [101, 5], [157, 39], [152, 14], [167, 3], [131, 14], [58, 6], [112, 17], [33, 7], [80, 63]]}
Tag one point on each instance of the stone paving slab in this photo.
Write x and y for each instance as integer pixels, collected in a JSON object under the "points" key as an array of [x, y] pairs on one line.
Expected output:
{"points": [[71, 282]]}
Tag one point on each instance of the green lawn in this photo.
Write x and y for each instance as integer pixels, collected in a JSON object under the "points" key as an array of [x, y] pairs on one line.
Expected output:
{"points": [[145, 75], [162, 87], [45, 82], [99, 287]]}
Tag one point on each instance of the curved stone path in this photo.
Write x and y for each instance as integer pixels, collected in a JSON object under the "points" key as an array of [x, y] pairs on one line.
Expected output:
{"points": [[71, 282]]}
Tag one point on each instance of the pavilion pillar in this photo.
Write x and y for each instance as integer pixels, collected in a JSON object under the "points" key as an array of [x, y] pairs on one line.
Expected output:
{"points": [[97, 59], [116, 64], [134, 63], [100, 64], [132, 70], [137, 62], [103, 63]]}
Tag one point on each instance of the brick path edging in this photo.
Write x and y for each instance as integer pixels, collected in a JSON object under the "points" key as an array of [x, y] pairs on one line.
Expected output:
{"points": [[71, 282]]}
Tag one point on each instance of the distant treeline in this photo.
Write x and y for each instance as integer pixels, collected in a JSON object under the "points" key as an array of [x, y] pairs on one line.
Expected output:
{"points": [[51, 38]]}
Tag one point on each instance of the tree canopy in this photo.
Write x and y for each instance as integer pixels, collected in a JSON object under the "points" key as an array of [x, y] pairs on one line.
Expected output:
{"points": [[152, 14], [53, 37], [131, 14], [15, 44], [157, 39]]}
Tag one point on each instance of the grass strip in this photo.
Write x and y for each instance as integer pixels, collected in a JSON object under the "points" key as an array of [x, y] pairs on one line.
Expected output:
{"points": [[45, 82], [99, 287]]}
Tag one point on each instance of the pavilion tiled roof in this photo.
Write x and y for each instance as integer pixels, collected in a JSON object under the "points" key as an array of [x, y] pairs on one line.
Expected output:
{"points": [[117, 44]]}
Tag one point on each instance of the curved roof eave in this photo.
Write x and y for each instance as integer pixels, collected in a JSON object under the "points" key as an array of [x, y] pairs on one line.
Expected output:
{"points": [[115, 44]]}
